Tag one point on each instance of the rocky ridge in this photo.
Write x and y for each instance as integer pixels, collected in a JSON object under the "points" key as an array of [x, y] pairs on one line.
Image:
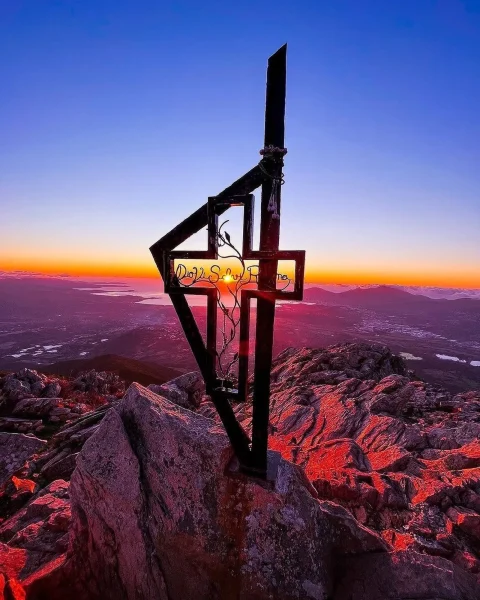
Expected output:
{"points": [[379, 482], [402, 456]]}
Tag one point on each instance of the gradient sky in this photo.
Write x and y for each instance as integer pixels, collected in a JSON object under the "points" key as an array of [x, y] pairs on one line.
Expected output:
{"points": [[119, 118]]}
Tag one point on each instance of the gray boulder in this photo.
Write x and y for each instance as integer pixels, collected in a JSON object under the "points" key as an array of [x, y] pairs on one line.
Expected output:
{"points": [[14, 389], [23, 384], [186, 391], [52, 390], [98, 382], [36, 407], [30, 375], [15, 449], [37, 388]]}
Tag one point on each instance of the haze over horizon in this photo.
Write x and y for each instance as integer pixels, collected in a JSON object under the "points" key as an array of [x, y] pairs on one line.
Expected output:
{"points": [[118, 120]]}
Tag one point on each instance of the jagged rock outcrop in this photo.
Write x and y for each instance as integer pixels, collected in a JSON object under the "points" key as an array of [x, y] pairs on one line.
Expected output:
{"points": [[386, 468], [40, 464], [98, 382], [30, 401], [24, 384], [156, 513]]}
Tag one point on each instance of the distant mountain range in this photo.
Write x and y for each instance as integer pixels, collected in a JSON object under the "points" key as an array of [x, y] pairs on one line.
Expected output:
{"points": [[382, 296]]}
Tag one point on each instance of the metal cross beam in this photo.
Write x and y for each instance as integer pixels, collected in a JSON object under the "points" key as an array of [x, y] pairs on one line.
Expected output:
{"points": [[269, 240], [252, 453]]}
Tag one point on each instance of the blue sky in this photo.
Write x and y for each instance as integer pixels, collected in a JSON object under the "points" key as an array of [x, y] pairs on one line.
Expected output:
{"points": [[120, 118]]}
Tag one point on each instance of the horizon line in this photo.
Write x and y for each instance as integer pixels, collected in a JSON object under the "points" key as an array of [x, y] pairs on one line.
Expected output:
{"points": [[20, 273]]}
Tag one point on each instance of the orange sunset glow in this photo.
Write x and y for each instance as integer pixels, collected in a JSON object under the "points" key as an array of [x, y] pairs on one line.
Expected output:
{"points": [[396, 275]]}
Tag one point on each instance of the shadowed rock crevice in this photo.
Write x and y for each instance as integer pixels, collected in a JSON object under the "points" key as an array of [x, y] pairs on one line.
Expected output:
{"points": [[145, 518]]}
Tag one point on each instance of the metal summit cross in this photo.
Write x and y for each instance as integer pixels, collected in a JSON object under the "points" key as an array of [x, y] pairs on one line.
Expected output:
{"points": [[251, 453]]}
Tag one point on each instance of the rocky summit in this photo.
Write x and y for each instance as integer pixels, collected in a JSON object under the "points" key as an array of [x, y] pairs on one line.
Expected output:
{"points": [[107, 494]]}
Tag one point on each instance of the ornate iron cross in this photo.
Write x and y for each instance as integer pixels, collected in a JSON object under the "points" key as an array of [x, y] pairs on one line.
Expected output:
{"points": [[251, 453]]}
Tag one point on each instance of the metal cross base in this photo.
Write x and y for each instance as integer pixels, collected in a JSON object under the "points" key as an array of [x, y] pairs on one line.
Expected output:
{"points": [[251, 453], [238, 471]]}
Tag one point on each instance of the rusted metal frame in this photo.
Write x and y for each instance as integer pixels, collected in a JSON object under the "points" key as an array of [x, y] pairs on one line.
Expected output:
{"points": [[236, 434], [269, 241]]}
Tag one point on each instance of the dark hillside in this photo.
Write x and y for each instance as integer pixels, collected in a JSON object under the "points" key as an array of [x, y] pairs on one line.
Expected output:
{"points": [[127, 369]]}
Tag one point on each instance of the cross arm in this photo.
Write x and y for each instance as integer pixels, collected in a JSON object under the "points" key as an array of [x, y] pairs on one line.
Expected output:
{"points": [[199, 219]]}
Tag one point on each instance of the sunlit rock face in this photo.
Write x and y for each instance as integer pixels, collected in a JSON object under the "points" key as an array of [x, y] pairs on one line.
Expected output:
{"points": [[400, 455], [34, 539], [377, 496]]}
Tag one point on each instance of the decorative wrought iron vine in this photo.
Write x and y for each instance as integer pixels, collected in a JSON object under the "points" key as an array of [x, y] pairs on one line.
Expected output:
{"points": [[223, 240], [230, 316]]}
